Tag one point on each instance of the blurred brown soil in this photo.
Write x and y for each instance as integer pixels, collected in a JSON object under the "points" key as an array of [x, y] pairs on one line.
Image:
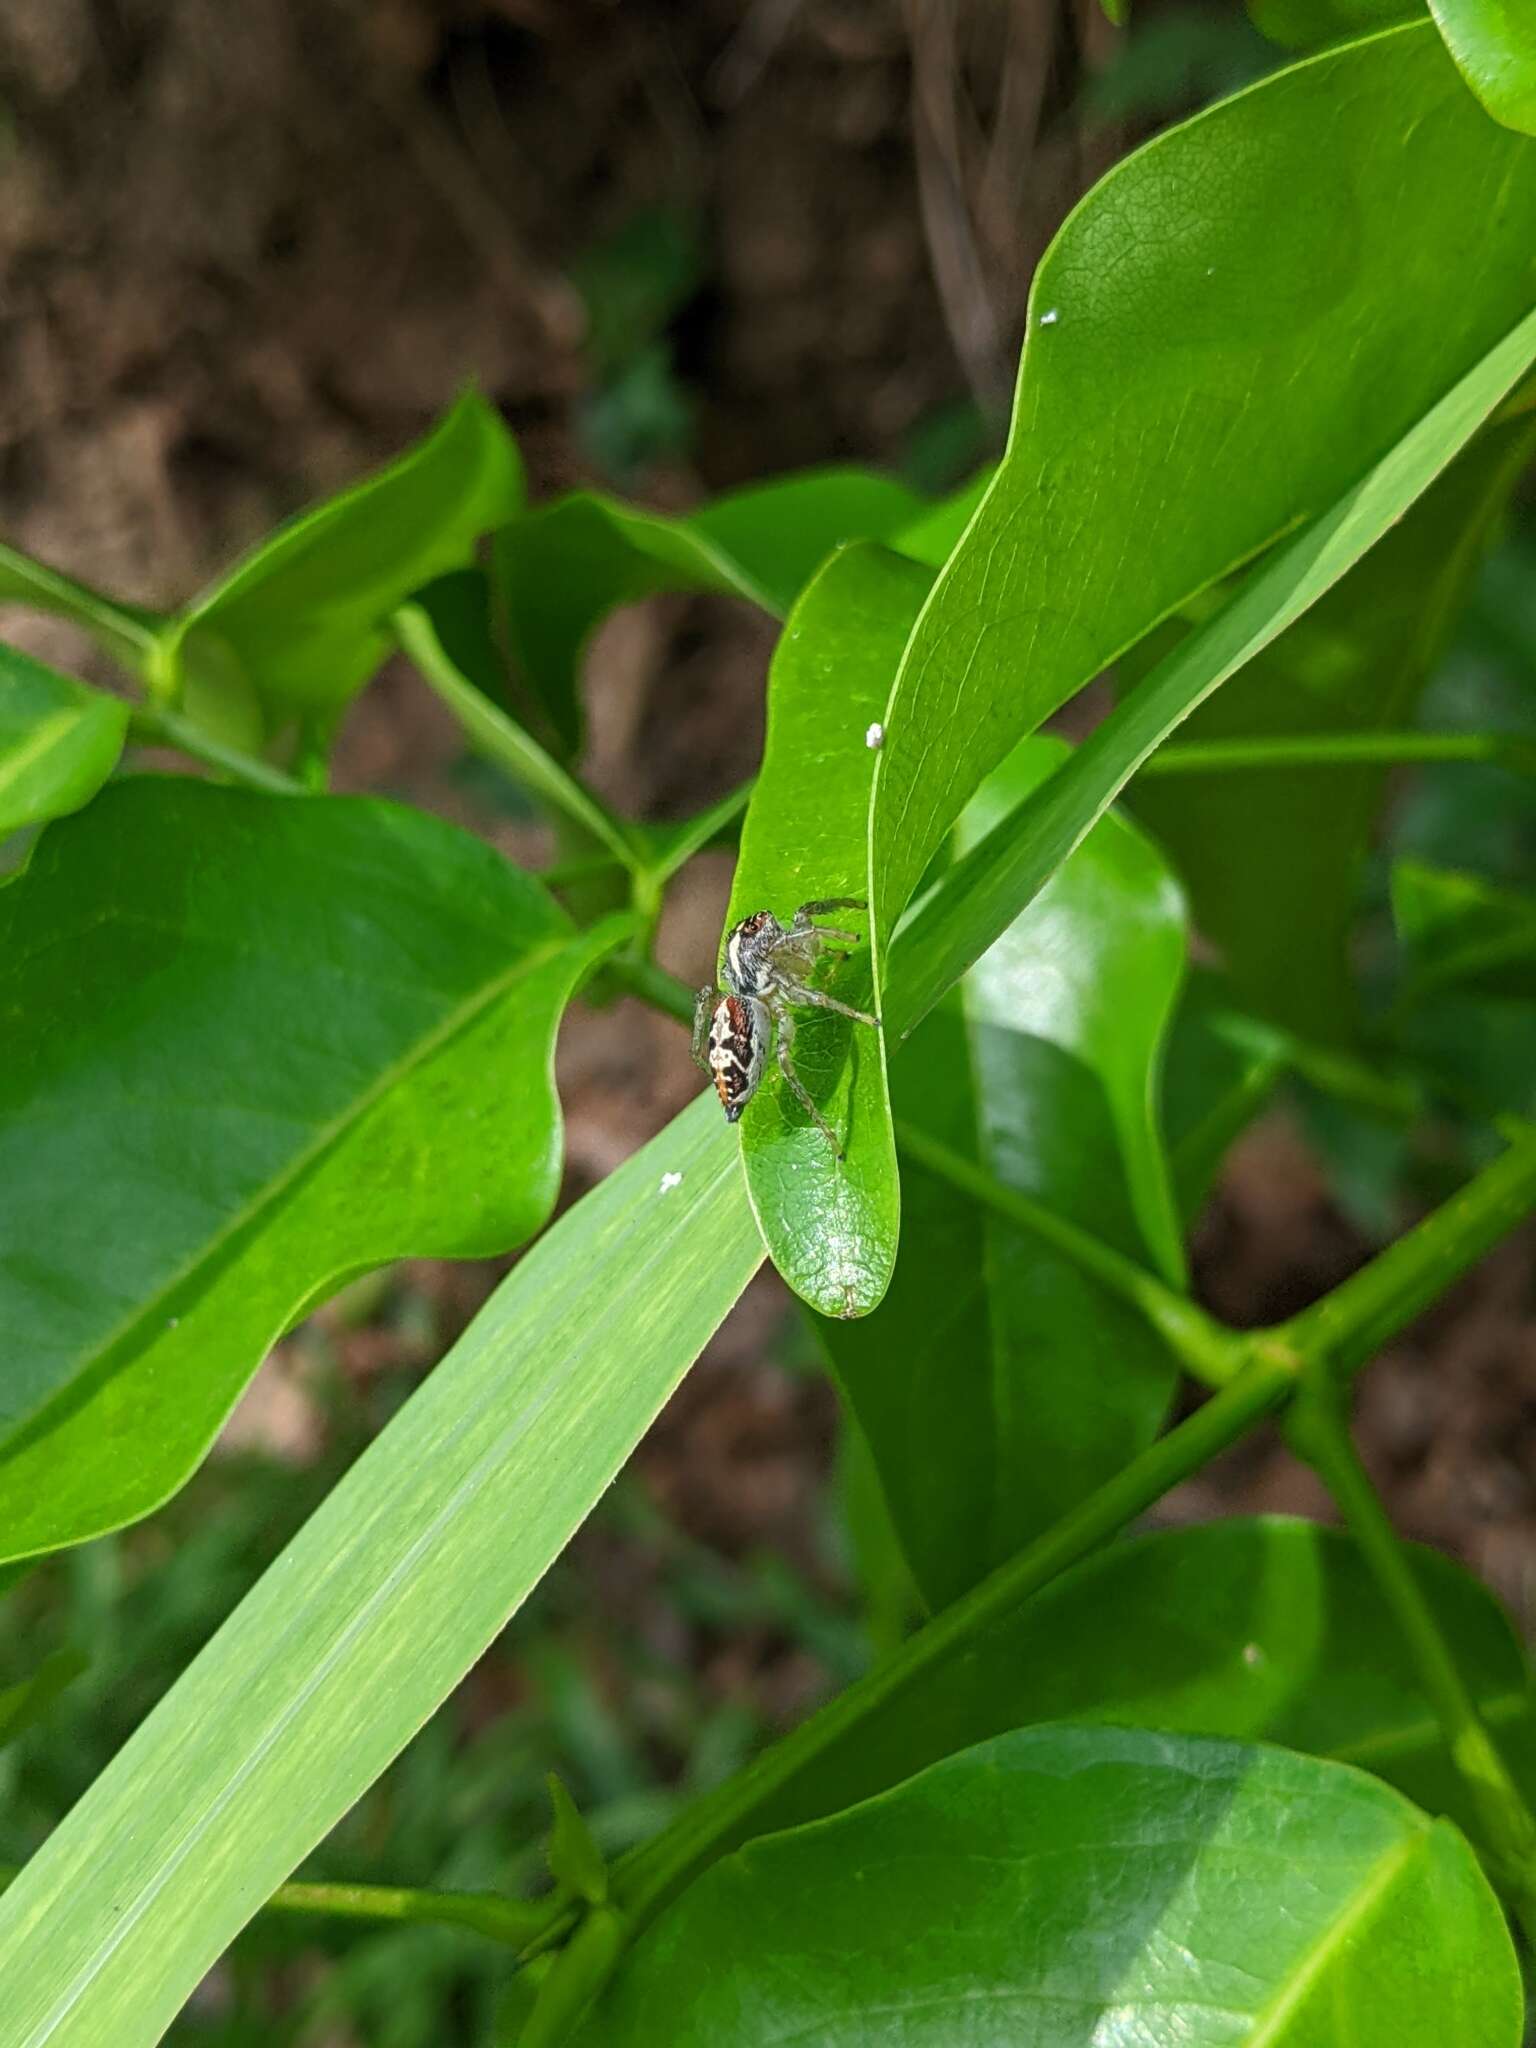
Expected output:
{"points": [[247, 251]]}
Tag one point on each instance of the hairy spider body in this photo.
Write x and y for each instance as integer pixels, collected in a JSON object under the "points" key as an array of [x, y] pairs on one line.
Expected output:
{"points": [[765, 969], [739, 1034]]}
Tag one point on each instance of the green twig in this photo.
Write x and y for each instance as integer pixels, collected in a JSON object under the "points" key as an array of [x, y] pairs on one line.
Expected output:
{"points": [[1341, 750], [1210, 1352], [648, 1877], [1351, 1324], [563, 872], [1320, 1433], [153, 725], [654, 985]]}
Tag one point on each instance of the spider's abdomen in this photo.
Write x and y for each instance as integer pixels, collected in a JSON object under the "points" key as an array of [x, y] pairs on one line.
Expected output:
{"points": [[749, 953], [738, 1044]]}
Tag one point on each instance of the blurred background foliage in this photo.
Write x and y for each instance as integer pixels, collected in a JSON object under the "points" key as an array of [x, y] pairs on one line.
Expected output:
{"points": [[247, 253]]}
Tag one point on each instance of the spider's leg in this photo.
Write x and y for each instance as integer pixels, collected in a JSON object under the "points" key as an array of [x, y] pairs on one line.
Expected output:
{"points": [[703, 1015], [786, 1039], [792, 992], [832, 931], [825, 903]]}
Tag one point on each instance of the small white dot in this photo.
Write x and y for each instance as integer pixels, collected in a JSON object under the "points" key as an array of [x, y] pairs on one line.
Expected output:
{"points": [[1252, 1655], [173, 1322], [1050, 319], [669, 1181], [875, 737]]}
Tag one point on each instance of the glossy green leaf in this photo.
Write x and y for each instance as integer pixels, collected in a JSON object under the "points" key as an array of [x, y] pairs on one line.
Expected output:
{"points": [[1494, 44], [1265, 1630], [255, 1045], [1243, 287], [304, 618], [946, 932], [998, 1383], [1272, 856], [1068, 1884], [563, 567], [384, 1599], [1459, 931], [59, 740], [126, 631], [447, 631], [830, 1223]]}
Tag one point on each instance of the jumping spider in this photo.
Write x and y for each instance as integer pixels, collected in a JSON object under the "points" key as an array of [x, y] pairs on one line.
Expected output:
{"points": [[766, 965]]}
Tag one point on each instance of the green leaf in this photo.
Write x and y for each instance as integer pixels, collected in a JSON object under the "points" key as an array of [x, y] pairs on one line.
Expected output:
{"points": [[563, 567], [256, 1045], [1459, 931], [998, 1383], [575, 1861], [950, 928], [1304, 24], [1464, 1012], [830, 1223], [1066, 1884], [446, 629], [1264, 1630], [384, 1599], [1239, 285], [1272, 856], [304, 619], [59, 740], [1494, 44], [126, 631]]}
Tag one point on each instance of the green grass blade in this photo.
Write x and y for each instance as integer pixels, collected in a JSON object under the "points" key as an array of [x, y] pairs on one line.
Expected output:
{"points": [[383, 1600]]}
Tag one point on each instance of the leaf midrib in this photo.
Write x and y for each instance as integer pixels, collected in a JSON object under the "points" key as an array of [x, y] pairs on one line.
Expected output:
{"points": [[1381, 1880], [326, 1139], [17, 760]]}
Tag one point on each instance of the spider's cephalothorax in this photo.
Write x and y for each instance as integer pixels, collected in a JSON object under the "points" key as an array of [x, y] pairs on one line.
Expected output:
{"points": [[765, 969]]}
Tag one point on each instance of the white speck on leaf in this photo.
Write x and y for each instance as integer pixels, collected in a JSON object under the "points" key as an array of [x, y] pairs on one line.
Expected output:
{"points": [[669, 1181], [1252, 1655], [1050, 319], [875, 737]]}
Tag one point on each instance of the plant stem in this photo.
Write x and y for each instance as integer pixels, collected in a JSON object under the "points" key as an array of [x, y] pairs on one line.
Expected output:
{"points": [[1350, 1325], [153, 725], [505, 1920], [1341, 750], [583, 869], [648, 1877], [1320, 1433], [1210, 1352], [654, 985]]}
